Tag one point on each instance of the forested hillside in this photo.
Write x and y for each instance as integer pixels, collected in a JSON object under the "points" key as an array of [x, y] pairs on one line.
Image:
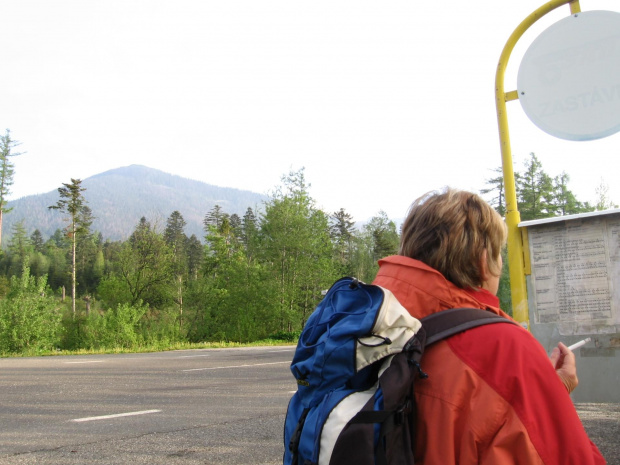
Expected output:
{"points": [[255, 275], [120, 197]]}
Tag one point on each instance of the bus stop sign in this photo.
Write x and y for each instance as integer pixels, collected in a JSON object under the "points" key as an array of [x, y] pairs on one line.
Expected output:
{"points": [[569, 80]]}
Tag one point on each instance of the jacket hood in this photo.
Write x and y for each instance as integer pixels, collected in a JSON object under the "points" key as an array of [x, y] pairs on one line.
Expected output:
{"points": [[422, 290]]}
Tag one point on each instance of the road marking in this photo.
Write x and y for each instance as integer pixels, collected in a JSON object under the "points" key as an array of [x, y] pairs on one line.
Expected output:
{"points": [[236, 366], [87, 361], [283, 350], [193, 356], [118, 415]]}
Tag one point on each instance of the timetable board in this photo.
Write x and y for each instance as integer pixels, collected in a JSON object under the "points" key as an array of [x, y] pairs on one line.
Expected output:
{"points": [[575, 274]]}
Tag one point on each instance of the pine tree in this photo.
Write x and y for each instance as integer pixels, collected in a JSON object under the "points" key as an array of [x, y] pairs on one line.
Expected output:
{"points": [[342, 231], [249, 233], [342, 226], [36, 239], [248, 223], [498, 201], [19, 249], [86, 254], [72, 202], [195, 252], [175, 238], [564, 201], [385, 238], [7, 170], [214, 218], [174, 234], [236, 225], [534, 191]]}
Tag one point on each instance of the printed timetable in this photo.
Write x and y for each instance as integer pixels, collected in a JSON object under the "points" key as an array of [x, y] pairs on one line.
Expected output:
{"points": [[575, 273]]}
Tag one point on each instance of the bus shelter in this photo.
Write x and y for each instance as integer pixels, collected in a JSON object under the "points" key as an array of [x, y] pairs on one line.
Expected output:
{"points": [[572, 273]]}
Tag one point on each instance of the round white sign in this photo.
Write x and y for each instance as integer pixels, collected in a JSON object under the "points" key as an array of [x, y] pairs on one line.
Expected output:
{"points": [[569, 79]]}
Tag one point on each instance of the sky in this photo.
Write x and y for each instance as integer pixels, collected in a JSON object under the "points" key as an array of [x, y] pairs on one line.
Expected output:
{"points": [[378, 102]]}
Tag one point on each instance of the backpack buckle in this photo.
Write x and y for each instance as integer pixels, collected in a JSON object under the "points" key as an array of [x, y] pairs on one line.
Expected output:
{"points": [[399, 415]]}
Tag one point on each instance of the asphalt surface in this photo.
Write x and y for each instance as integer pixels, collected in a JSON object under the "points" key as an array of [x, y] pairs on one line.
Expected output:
{"points": [[190, 407], [222, 406]]}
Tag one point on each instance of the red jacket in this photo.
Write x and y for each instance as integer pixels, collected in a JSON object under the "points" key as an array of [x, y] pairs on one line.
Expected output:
{"points": [[492, 395]]}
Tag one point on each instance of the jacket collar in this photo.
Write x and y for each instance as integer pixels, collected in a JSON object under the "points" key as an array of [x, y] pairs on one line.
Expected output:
{"points": [[422, 290]]}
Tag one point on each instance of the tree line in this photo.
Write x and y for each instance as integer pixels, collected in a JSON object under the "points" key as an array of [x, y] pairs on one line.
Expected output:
{"points": [[249, 278]]}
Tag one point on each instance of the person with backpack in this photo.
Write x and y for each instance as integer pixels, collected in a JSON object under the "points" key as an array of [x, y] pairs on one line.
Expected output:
{"points": [[492, 395]]}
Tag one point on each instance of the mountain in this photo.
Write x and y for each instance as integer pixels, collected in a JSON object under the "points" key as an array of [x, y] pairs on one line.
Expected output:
{"points": [[120, 197]]}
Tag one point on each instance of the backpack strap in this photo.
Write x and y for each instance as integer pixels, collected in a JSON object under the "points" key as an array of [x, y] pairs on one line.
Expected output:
{"points": [[446, 323]]}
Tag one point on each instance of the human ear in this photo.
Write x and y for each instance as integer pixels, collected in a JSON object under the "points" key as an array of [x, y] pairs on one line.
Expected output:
{"points": [[483, 266]]}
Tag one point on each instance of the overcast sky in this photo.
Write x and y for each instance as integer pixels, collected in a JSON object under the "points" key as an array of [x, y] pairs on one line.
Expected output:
{"points": [[379, 101]]}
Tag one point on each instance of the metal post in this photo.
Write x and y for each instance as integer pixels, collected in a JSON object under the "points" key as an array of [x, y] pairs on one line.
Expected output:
{"points": [[515, 243]]}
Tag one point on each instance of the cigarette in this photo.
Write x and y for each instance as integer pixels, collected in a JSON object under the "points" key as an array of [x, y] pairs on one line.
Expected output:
{"points": [[577, 345]]}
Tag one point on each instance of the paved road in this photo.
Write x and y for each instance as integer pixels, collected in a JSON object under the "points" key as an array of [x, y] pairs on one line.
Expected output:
{"points": [[203, 406], [222, 406]]}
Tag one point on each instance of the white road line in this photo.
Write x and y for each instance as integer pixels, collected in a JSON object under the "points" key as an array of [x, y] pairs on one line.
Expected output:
{"points": [[283, 350], [87, 361], [193, 356], [118, 415], [236, 366]]}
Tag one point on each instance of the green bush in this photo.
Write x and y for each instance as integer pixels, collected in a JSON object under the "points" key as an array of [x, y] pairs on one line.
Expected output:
{"points": [[30, 320], [117, 327], [161, 328]]}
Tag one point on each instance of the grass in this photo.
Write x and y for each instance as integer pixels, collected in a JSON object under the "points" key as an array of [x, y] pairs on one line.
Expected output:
{"points": [[148, 348]]}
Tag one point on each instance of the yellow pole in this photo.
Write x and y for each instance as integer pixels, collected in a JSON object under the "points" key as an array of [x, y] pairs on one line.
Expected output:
{"points": [[513, 218]]}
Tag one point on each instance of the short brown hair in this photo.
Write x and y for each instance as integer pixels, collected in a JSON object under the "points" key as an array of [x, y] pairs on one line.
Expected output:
{"points": [[448, 230]]}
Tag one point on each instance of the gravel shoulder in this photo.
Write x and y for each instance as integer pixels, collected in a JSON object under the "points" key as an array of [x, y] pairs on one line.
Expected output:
{"points": [[602, 422]]}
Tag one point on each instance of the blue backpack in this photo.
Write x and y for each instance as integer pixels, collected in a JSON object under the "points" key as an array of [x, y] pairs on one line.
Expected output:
{"points": [[355, 365]]}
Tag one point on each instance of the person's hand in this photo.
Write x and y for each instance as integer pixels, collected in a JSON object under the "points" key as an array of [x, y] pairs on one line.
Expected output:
{"points": [[563, 361]]}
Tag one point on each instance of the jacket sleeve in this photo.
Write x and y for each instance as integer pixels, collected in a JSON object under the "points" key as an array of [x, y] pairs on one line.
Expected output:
{"points": [[537, 421]]}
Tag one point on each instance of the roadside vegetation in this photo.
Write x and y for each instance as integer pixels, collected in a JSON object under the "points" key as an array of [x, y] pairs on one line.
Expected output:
{"points": [[250, 280]]}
